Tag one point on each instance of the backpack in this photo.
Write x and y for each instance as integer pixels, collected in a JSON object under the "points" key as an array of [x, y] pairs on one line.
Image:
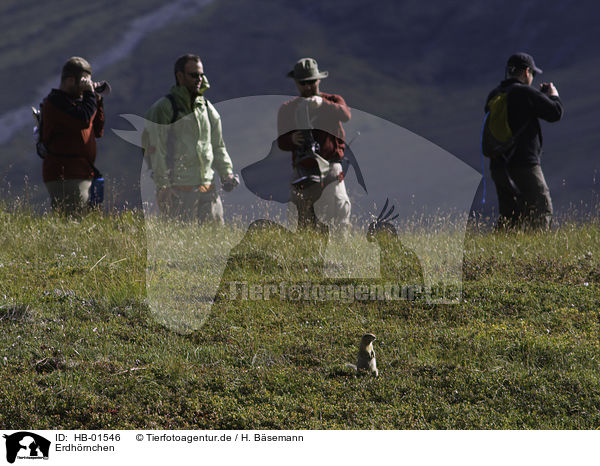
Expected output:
{"points": [[170, 148], [40, 147], [170, 139], [170, 159], [497, 139]]}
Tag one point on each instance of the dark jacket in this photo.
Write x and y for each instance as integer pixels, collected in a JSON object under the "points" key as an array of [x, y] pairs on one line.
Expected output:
{"points": [[69, 131], [329, 118], [525, 105]]}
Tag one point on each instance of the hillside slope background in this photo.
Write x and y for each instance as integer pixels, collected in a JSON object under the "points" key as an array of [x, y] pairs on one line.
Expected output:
{"points": [[426, 67]]}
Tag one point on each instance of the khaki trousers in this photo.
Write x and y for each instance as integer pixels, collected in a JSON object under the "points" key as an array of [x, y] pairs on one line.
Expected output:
{"points": [[329, 203]]}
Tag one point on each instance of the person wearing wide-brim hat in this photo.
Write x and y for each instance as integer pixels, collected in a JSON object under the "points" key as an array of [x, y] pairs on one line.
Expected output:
{"points": [[307, 69], [310, 127]]}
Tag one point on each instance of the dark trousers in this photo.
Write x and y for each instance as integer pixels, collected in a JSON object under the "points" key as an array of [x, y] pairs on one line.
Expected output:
{"points": [[69, 197], [524, 203], [191, 205]]}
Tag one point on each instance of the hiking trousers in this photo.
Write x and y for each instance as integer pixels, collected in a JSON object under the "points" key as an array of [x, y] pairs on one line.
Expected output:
{"points": [[69, 197], [193, 206], [329, 204], [527, 204]]}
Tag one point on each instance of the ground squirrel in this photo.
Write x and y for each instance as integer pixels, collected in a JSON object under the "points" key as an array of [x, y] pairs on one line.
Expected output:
{"points": [[366, 355]]}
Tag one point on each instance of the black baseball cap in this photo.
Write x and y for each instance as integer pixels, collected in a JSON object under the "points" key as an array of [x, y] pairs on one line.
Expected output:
{"points": [[523, 60]]}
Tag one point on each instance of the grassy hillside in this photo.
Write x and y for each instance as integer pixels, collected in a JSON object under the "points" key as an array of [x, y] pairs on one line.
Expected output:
{"points": [[81, 349]]}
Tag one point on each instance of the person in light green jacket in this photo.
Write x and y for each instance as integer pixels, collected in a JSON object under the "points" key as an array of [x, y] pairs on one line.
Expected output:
{"points": [[185, 148]]}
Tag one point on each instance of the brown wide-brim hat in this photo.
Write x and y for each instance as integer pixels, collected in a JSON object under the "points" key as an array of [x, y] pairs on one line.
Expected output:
{"points": [[306, 69]]}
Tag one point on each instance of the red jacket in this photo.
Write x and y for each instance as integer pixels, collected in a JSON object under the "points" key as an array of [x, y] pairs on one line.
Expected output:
{"points": [[328, 119], [69, 131]]}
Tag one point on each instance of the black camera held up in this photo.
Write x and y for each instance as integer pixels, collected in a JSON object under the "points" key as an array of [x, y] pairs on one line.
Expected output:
{"points": [[545, 88], [102, 88], [308, 163]]}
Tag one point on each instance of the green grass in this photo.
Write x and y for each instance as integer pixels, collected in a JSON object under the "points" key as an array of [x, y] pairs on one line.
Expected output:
{"points": [[82, 349]]}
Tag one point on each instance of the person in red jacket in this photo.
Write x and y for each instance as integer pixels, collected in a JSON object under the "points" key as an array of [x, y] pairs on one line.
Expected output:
{"points": [[72, 119], [310, 127]]}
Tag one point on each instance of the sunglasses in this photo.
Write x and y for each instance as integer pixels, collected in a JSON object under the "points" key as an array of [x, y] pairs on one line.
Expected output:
{"points": [[196, 75], [307, 82]]}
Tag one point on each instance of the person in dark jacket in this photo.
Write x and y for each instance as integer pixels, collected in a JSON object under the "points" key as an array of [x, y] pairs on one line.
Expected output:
{"points": [[523, 194], [310, 127], [72, 119]]}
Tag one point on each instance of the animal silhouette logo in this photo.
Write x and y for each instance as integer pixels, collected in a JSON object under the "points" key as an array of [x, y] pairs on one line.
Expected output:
{"points": [[397, 262], [26, 445], [269, 177], [424, 183], [382, 223]]}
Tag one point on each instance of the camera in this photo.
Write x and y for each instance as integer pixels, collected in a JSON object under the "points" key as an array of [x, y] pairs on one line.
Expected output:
{"points": [[102, 87], [230, 183], [545, 88], [305, 161], [309, 148]]}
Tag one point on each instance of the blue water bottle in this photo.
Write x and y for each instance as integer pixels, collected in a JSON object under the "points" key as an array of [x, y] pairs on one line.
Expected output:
{"points": [[96, 197]]}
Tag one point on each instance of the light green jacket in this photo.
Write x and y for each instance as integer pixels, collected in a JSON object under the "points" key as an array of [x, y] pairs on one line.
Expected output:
{"points": [[199, 149]]}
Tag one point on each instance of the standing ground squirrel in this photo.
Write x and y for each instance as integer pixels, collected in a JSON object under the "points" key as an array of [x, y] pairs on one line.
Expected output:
{"points": [[366, 355]]}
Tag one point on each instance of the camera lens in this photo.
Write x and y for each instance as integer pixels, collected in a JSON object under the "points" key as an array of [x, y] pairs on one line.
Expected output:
{"points": [[102, 87]]}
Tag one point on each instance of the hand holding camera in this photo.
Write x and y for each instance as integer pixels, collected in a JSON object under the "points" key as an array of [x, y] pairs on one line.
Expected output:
{"points": [[102, 88], [86, 84], [548, 89], [314, 102], [230, 182]]}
